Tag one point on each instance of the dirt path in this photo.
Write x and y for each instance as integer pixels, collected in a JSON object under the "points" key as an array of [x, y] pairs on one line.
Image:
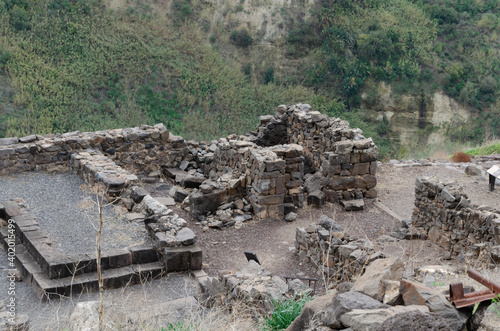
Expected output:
{"points": [[272, 240]]}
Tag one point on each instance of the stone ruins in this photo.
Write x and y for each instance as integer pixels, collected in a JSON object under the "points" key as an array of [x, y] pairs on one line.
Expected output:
{"points": [[297, 155], [444, 212]]}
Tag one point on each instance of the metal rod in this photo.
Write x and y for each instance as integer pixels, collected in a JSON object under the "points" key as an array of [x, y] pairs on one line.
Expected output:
{"points": [[493, 286]]}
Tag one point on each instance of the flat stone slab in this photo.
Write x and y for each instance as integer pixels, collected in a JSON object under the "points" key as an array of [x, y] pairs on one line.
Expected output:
{"points": [[353, 205], [167, 201]]}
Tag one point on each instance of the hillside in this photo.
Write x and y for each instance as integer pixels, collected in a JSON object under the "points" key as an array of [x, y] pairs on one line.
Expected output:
{"points": [[208, 68]]}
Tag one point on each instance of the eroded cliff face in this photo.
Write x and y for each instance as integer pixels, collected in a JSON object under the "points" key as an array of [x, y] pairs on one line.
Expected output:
{"points": [[420, 117]]}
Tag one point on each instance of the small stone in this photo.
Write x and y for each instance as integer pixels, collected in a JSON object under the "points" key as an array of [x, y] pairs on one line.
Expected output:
{"points": [[290, 217]]}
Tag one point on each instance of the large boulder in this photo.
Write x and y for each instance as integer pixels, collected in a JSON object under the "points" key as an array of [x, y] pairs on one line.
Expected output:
{"points": [[414, 293], [372, 282], [371, 319], [415, 320], [346, 302]]}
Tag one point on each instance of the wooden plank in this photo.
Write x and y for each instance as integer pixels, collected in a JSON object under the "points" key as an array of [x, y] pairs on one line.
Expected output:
{"points": [[386, 210]]}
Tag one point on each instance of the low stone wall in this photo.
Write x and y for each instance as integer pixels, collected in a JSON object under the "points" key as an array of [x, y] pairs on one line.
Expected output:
{"points": [[333, 251], [444, 211], [135, 149]]}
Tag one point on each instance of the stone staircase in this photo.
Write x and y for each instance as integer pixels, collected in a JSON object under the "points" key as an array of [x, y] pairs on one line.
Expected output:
{"points": [[53, 274]]}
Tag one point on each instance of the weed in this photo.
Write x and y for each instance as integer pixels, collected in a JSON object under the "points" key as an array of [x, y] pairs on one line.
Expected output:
{"points": [[284, 312], [495, 306]]}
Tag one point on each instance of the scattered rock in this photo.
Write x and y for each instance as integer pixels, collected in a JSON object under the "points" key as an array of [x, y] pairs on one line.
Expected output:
{"points": [[311, 310], [417, 294], [316, 199], [290, 217], [346, 302], [186, 236], [167, 201], [372, 283], [372, 319], [473, 171], [138, 193]]}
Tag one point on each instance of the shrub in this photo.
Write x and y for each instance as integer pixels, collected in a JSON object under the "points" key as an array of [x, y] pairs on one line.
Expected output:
{"points": [[377, 46], [19, 19], [241, 38], [284, 312], [269, 75], [469, 93], [488, 85]]}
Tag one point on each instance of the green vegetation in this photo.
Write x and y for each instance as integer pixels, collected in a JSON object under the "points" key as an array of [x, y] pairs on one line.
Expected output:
{"points": [[284, 312], [488, 149], [96, 69], [495, 306], [79, 65]]}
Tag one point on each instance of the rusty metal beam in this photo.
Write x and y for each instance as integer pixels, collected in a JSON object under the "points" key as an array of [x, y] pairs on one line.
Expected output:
{"points": [[459, 299], [493, 286]]}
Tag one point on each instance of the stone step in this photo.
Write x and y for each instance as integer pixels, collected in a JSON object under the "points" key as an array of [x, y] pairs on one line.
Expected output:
{"points": [[47, 288], [54, 263]]}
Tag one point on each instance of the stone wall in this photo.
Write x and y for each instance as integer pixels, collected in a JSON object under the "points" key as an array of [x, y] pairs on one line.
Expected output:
{"points": [[135, 149], [267, 168], [444, 211], [347, 160], [339, 256]]}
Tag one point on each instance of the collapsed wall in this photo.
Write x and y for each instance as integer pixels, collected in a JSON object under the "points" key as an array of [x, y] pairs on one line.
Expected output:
{"points": [[444, 211], [270, 168]]}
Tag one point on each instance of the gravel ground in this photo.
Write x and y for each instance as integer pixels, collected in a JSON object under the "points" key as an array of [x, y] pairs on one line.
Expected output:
{"points": [[66, 212]]}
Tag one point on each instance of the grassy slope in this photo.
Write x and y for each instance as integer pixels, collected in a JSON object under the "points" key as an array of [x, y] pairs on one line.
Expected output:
{"points": [[75, 65], [96, 69]]}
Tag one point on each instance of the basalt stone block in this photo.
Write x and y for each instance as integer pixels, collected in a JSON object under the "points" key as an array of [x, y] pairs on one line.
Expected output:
{"points": [[316, 199], [8, 141], [117, 278], [138, 193], [361, 168], [193, 182], [182, 258], [143, 254], [201, 204], [118, 257], [344, 147], [369, 155]]}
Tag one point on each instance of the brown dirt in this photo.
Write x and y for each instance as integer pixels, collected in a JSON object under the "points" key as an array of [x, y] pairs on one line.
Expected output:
{"points": [[272, 240]]}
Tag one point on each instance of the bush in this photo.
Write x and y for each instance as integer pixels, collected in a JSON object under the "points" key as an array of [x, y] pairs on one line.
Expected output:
{"points": [[469, 93], [269, 75], [377, 46], [19, 19], [241, 38], [488, 85], [284, 312]]}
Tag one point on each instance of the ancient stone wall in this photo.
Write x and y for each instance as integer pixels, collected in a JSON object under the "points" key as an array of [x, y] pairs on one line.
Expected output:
{"points": [[135, 149], [333, 251], [444, 211], [347, 159], [268, 168]]}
